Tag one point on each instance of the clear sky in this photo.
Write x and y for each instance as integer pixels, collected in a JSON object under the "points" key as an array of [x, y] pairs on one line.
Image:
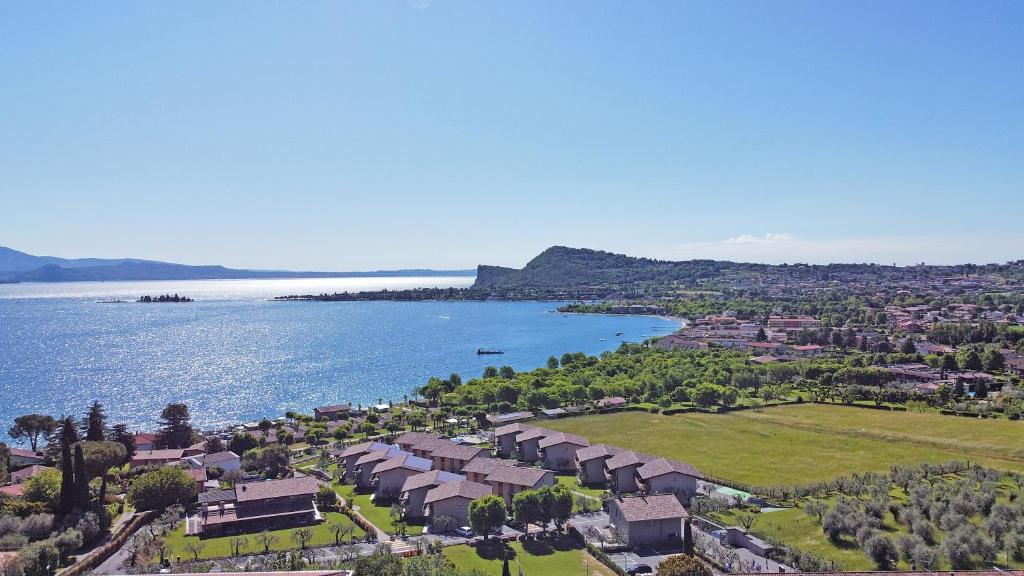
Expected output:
{"points": [[362, 135]]}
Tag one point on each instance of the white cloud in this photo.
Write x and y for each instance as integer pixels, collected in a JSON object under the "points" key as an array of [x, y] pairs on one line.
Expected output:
{"points": [[776, 248]]}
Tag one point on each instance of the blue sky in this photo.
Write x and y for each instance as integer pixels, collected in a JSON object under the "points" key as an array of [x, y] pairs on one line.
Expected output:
{"points": [[362, 135]]}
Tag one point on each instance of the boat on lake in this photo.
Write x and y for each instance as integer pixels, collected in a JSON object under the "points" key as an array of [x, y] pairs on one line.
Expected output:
{"points": [[483, 351]]}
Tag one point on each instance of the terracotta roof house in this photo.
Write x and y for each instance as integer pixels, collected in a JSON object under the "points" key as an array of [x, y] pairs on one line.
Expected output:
{"points": [[366, 463], [507, 481], [452, 457], [528, 444], [21, 457], [12, 491], [157, 457], [590, 463], [144, 441], [347, 457], [410, 439], [480, 467], [19, 476], [663, 476], [335, 412], [388, 476], [558, 451], [415, 489], [646, 520], [505, 438], [620, 470], [452, 499], [266, 505], [424, 448]]}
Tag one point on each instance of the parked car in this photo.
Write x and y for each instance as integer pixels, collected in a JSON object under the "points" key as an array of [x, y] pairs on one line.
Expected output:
{"points": [[640, 569], [464, 531]]}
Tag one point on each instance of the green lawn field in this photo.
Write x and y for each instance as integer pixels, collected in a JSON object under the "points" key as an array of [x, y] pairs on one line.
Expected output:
{"points": [[797, 444], [221, 546], [554, 557]]}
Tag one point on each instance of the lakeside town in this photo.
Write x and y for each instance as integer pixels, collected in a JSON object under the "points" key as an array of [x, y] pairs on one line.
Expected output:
{"points": [[479, 473]]}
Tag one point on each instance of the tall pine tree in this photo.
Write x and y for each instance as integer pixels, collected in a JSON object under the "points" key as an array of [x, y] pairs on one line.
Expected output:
{"points": [[175, 429], [94, 426], [119, 433]]}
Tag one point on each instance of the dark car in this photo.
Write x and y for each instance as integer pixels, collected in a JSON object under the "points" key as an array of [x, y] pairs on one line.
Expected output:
{"points": [[640, 569]]}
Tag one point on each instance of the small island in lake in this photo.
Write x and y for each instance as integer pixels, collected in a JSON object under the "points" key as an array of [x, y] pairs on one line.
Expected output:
{"points": [[164, 298]]}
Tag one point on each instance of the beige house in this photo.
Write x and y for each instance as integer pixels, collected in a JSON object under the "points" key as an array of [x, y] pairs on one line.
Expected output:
{"points": [[452, 457], [528, 444], [480, 467], [348, 457], [365, 464], [388, 477], [620, 470], [505, 438], [558, 451], [590, 463], [507, 481], [409, 440], [664, 476], [646, 520], [452, 499], [414, 490]]}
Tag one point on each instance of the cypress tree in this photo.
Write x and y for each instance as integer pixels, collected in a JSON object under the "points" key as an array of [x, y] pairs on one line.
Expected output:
{"points": [[81, 484], [67, 481], [687, 538]]}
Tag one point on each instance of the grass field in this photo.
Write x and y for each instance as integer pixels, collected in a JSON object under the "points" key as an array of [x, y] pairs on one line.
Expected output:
{"points": [[573, 484], [379, 516], [221, 546], [797, 444], [555, 557]]}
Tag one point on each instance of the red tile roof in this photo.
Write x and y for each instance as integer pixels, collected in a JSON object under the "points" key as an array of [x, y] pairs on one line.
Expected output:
{"points": [[652, 507], [461, 489]]}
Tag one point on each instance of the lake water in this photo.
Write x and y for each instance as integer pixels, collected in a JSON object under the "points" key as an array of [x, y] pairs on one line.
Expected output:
{"points": [[233, 355]]}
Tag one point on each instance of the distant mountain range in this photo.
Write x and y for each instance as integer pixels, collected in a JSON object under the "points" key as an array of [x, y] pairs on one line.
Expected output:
{"points": [[18, 266]]}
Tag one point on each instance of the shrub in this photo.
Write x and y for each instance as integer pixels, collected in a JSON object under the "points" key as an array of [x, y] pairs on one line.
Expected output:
{"points": [[37, 526]]}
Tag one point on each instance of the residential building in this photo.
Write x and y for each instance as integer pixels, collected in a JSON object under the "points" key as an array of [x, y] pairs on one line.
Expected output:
{"points": [[272, 504], [507, 481], [387, 477], [590, 463], [620, 470], [528, 444], [365, 464], [157, 457], [663, 476], [505, 438], [480, 467], [20, 457], [452, 499], [646, 520], [558, 451], [452, 457], [336, 412], [414, 490], [347, 458]]}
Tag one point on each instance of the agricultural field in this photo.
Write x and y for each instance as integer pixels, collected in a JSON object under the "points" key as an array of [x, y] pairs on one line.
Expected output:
{"points": [[547, 557], [799, 527], [799, 444]]}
